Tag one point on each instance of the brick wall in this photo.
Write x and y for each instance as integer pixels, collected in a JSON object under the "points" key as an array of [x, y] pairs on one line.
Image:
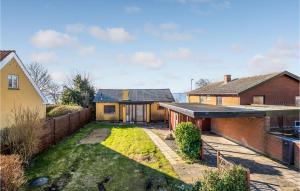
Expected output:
{"points": [[278, 91], [297, 155], [274, 147], [244, 130], [55, 129]]}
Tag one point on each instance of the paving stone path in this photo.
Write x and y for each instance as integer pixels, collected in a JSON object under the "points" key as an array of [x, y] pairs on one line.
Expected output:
{"points": [[188, 173], [266, 174]]}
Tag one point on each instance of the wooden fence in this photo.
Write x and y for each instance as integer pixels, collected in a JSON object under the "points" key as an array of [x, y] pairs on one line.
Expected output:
{"points": [[55, 129], [222, 163]]}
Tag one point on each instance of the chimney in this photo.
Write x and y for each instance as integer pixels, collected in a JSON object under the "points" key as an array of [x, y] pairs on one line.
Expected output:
{"points": [[125, 95], [227, 78]]}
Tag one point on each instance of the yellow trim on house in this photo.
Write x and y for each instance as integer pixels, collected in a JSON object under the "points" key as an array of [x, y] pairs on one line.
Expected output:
{"points": [[100, 115]]}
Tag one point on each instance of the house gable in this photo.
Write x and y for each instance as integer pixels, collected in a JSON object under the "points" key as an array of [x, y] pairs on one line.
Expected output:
{"points": [[13, 58]]}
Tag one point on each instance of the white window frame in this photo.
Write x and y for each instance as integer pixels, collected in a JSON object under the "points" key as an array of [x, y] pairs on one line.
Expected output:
{"points": [[208, 98], [14, 81]]}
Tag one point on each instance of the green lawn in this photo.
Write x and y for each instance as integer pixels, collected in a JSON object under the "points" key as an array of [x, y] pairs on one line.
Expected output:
{"points": [[127, 157]]}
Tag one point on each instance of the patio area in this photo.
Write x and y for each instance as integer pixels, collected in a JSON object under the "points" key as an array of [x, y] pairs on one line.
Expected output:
{"points": [[266, 174]]}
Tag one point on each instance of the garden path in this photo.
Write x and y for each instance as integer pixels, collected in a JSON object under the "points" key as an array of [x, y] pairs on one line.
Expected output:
{"points": [[188, 173]]}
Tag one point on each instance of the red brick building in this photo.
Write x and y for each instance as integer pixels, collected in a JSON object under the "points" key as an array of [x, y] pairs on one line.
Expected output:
{"points": [[280, 88], [246, 125]]}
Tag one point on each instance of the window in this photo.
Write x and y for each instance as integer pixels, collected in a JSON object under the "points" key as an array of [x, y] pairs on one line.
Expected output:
{"points": [[13, 81], [202, 99], [258, 99], [297, 100], [109, 109], [208, 98], [219, 100]]}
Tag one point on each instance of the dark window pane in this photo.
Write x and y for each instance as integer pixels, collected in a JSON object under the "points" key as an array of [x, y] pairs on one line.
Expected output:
{"points": [[109, 109]]}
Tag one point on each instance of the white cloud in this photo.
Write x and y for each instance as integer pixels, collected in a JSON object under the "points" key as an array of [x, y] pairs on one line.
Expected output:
{"points": [[180, 53], [43, 57], [86, 50], [75, 28], [188, 55], [59, 77], [276, 58], [168, 26], [146, 59], [132, 9], [236, 48], [51, 39], [163, 32], [115, 35]]}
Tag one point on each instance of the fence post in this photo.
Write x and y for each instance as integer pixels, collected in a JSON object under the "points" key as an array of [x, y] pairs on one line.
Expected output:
{"points": [[79, 120], [69, 116], [218, 158], [202, 150], [54, 137], [248, 179]]}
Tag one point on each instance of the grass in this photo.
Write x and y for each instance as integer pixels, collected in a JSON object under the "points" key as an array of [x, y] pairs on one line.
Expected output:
{"points": [[127, 157]]}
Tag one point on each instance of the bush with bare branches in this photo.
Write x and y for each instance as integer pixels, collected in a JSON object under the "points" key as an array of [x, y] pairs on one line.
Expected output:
{"points": [[22, 137], [12, 174]]}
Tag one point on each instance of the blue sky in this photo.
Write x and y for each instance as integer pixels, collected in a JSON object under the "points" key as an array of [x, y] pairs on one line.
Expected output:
{"points": [[153, 44]]}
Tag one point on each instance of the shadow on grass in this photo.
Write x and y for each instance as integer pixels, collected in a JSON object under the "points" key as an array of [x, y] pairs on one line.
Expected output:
{"points": [[71, 166]]}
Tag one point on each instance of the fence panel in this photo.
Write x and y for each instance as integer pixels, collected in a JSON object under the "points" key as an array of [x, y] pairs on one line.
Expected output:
{"points": [[47, 134], [74, 120], [61, 127], [57, 128]]}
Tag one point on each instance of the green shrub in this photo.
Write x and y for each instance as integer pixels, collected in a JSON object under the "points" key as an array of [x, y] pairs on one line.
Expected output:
{"points": [[50, 107], [62, 110], [233, 178], [188, 139]]}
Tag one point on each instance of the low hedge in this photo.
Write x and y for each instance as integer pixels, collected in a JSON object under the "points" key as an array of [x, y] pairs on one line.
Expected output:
{"points": [[59, 110], [233, 178], [188, 139]]}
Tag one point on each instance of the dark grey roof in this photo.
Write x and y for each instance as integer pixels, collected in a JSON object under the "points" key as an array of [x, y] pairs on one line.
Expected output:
{"points": [[239, 85], [197, 110], [134, 95]]}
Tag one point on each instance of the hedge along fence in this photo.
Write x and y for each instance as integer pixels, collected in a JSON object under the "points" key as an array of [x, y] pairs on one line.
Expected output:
{"points": [[222, 163], [55, 129]]}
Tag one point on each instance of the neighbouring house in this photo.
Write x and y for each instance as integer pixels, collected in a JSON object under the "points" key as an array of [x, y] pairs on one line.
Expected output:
{"points": [[17, 88], [131, 105], [249, 125], [281, 88]]}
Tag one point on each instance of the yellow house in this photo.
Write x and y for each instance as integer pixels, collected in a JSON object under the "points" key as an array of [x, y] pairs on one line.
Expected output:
{"points": [[131, 105], [17, 89]]}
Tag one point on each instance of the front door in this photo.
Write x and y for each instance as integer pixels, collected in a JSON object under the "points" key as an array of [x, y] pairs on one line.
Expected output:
{"points": [[140, 113], [136, 113]]}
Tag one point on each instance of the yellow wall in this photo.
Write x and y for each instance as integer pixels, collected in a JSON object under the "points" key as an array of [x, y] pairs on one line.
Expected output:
{"points": [[231, 100], [212, 100], [194, 99], [101, 116], [26, 96], [156, 114], [153, 113]]}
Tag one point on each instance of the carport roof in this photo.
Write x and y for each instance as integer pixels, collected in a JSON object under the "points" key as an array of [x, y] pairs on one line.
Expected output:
{"points": [[196, 110]]}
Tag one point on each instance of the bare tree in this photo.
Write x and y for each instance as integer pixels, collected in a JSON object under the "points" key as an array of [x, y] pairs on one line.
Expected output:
{"points": [[40, 76], [202, 82], [42, 79], [54, 92]]}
